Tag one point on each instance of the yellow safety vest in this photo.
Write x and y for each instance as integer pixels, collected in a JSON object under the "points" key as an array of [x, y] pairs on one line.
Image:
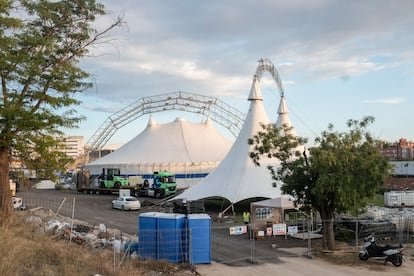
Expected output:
{"points": [[246, 216]]}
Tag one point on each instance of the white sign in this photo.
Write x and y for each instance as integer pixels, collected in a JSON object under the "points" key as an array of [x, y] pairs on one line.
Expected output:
{"points": [[279, 229], [292, 230], [124, 192], [238, 230]]}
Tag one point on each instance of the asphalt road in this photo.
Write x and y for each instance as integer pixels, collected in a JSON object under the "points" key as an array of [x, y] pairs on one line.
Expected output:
{"points": [[94, 209]]}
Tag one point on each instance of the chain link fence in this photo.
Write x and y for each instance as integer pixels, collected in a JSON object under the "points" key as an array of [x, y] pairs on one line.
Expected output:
{"points": [[62, 205], [233, 243]]}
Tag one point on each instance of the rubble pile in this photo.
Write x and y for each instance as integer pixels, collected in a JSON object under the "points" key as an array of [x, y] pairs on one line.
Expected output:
{"points": [[80, 232]]}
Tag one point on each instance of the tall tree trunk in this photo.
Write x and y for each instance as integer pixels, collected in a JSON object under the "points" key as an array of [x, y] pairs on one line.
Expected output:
{"points": [[6, 207], [328, 224], [328, 234]]}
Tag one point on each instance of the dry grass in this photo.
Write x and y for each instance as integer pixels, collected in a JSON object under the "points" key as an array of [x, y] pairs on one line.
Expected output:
{"points": [[25, 251]]}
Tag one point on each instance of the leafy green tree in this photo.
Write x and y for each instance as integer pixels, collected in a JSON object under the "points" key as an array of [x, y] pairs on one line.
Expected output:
{"points": [[341, 172], [41, 44]]}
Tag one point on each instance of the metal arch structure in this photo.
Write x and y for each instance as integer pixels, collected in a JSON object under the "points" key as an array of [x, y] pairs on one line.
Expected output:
{"points": [[266, 65], [218, 111]]}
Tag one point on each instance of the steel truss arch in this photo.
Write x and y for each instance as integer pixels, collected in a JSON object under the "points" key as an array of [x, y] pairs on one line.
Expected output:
{"points": [[220, 112], [266, 65]]}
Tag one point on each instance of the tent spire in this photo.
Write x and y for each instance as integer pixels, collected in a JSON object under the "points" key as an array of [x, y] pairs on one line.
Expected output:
{"points": [[255, 91], [151, 121], [283, 118], [208, 121]]}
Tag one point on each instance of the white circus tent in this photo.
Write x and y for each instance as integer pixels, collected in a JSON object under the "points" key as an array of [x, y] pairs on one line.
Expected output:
{"points": [[191, 150], [237, 178]]}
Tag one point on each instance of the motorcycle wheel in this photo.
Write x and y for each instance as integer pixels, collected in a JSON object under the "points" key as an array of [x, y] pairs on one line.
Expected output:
{"points": [[363, 256], [397, 261]]}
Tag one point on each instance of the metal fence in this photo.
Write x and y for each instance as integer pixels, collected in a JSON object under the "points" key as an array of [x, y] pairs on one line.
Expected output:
{"points": [[58, 204], [223, 242]]}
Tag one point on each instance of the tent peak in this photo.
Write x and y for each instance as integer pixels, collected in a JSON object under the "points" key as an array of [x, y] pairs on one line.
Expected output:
{"points": [[208, 121], [255, 91], [181, 119], [151, 121]]}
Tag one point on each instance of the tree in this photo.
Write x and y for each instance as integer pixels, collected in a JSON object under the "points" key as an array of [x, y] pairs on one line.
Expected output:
{"points": [[41, 44], [340, 173]]}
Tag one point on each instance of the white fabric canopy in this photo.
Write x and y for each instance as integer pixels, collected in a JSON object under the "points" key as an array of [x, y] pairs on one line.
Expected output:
{"points": [[178, 141], [188, 149], [237, 177], [279, 202], [45, 184]]}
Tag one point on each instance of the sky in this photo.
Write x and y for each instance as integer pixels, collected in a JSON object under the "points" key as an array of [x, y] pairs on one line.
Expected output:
{"points": [[338, 60]]}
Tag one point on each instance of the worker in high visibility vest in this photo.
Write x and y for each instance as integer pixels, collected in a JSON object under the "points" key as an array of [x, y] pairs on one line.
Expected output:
{"points": [[246, 217]]}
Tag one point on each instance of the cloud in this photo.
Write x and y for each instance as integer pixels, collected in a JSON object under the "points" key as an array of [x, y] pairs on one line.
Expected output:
{"points": [[104, 109], [386, 101], [212, 47], [326, 53]]}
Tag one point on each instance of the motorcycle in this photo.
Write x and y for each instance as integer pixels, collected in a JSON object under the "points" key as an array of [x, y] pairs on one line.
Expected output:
{"points": [[377, 252]]}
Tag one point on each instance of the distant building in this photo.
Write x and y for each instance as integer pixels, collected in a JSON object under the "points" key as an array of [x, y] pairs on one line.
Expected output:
{"points": [[401, 150], [73, 146], [107, 149]]}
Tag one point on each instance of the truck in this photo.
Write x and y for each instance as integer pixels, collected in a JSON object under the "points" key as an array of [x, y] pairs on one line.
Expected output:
{"points": [[163, 185], [111, 181], [111, 178], [108, 182]]}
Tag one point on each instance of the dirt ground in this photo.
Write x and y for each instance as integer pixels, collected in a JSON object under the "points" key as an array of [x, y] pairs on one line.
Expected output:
{"points": [[301, 265]]}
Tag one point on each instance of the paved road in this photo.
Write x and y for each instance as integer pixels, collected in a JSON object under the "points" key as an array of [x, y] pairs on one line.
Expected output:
{"points": [[93, 209]]}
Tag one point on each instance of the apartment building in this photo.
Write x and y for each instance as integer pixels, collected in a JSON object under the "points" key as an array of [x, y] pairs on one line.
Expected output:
{"points": [[401, 150], [73, 146]]}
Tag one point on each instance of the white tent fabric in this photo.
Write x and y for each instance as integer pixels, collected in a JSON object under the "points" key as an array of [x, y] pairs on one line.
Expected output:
{"points": [[178, 141], [283, 118], [45, 185], [237, 177], [179, 146], [278, 202]]}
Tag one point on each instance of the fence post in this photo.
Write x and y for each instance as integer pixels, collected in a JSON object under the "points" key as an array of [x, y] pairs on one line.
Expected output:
{"points": [[356, 234], [190, 246], [60, 206], [73, 214], [252, 238], [309, 238]]}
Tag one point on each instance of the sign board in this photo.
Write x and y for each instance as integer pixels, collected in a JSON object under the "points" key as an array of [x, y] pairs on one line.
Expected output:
{"points": [[279, 229], [124, 192], [238, 230], [268, 231], [292, 230]]}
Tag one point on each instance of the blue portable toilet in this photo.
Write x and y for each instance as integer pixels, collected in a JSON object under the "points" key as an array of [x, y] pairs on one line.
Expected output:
{"points": [[147, 235], [171, 237], [199, 238]]}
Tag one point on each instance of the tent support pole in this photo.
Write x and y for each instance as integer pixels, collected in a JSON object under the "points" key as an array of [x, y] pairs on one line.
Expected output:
{"points": [[221, 214]]}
